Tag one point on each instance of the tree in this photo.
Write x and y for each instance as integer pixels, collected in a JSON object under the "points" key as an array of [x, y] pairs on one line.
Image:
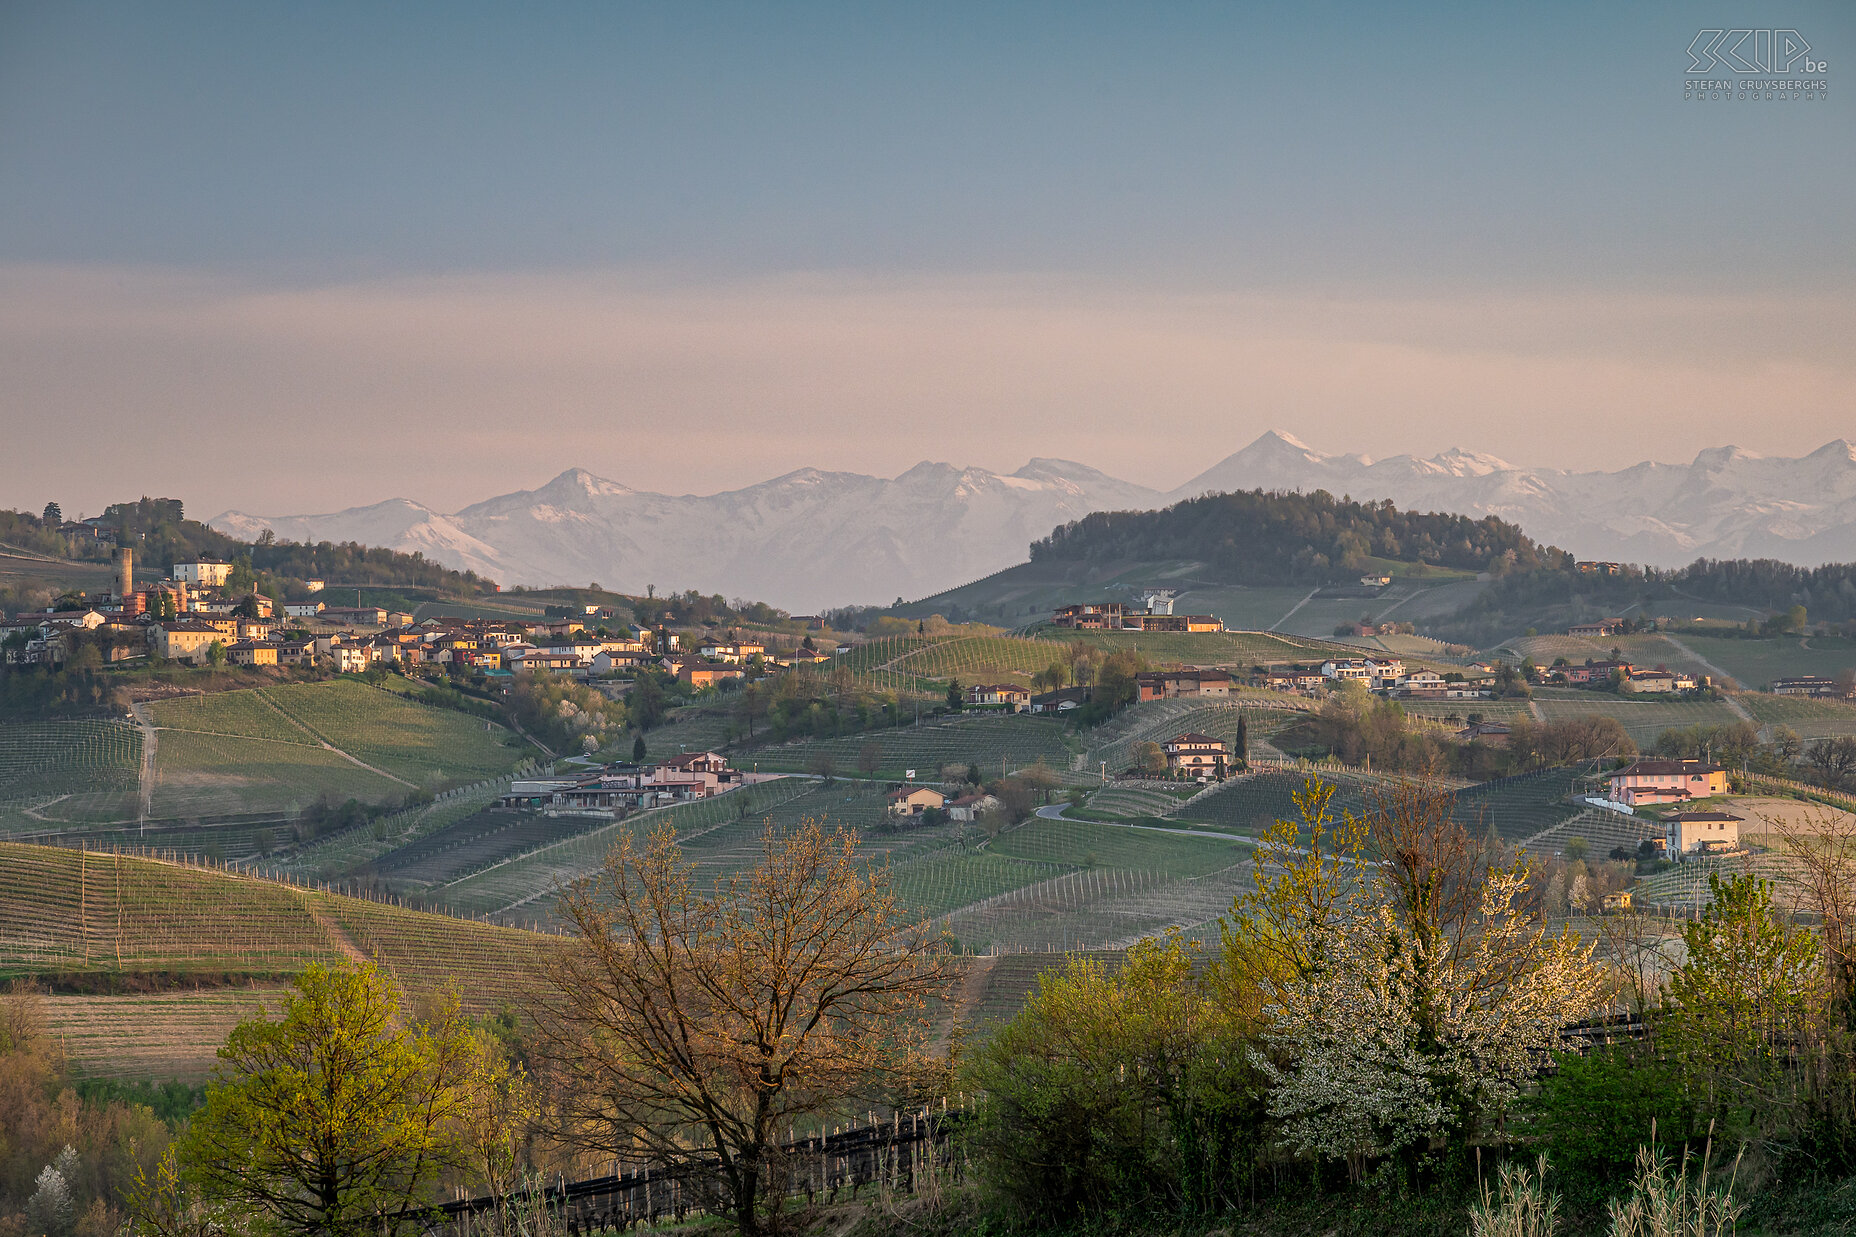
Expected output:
{"points": [[1240, 745], [823, 765], [53, 516], [1417, 1001], [955, 698], [335, 1117], [638, 750], [707, 1024], [216, 653], [870, 759], [1741, 996]]}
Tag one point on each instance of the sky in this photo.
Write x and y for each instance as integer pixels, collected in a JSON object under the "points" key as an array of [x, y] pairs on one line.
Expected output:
{"points": [[295, 258]]}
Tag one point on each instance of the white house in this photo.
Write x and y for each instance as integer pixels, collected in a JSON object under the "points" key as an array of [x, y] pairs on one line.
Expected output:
{"points": [[203, 574]]}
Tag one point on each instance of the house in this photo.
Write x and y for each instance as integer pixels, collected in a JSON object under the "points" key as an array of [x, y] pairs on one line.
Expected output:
{"points": [[1701, 833], [1658, 680], [608, 660], [809, 657], [701, 674], [1423, 685], [1806, 685], [252, 653], [1134, 621], [350, 658], [296, 652], [719, 648], [914, 800], [1599, 569], [307, 609], [184, 640], [315, 586], [1170, 684], [1196, 755], [1495, 734], [1097, 616], [1595, 672], [1158, 600], [89, 620], [1343, 669], [206, 573], [1012, 696], [969, 808], [367, 616], [1603, 627], [1061, 701], [547, 661], [1666, 781], [1288, 677]]}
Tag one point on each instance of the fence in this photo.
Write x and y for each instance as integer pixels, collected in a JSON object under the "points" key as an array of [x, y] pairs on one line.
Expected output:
{"points": [[904, 1153]]}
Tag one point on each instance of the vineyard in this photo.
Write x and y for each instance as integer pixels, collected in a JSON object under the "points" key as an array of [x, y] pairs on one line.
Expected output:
{"points": [[1643, 720], [263, 749], [67, 772], [991, 741], [72, 911], [1812, 718], [1640, 650], [153, 1036]]}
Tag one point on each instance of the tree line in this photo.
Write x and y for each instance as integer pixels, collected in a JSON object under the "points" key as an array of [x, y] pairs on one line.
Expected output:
{"points": [[1278, 538]]}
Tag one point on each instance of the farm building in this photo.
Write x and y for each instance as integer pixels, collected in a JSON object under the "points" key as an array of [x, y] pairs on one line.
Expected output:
{"points": [[1666, 781], [1701, 833]]}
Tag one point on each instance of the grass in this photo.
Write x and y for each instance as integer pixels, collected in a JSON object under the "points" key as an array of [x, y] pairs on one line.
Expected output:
{"points": [[208, 775], [261, 749], [1755, 663]]}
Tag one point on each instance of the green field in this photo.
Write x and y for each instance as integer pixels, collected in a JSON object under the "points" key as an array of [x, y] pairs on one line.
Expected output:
{"points": [[992, 741], [1812, 718], [1643, 720], [53, 774], [263, 749], [1755, 663]]}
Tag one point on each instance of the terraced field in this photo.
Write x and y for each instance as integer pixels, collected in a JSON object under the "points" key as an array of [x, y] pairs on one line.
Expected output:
{"points": [[67, 772]]}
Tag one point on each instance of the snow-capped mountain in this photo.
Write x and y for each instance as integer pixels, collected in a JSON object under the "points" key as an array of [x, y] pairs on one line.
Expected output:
{"points": [[1727, 503], [813, 539], [804, 541]]}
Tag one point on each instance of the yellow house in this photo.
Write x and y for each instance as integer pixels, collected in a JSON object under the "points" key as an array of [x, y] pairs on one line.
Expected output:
{"points": [[914, 800], [184, 641], [252, 653]]}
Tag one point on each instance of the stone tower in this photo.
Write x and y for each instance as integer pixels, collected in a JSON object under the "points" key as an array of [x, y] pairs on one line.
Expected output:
{"points": [[125, 584]]}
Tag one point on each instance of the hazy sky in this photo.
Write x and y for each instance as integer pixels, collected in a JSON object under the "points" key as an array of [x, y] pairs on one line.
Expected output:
{"points": [[292, 258]]}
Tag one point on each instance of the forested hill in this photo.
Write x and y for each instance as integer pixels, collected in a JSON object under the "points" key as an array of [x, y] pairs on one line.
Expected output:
{"points": [[162, 535], [1271, 538]]}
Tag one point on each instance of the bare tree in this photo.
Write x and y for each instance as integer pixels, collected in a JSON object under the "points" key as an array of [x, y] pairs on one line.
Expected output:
{"points": [[1821, 881], [699, 1027]]}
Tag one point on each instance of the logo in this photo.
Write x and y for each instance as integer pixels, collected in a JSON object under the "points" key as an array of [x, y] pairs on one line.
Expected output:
{"points": [[1754, 66], [1752, 51]]}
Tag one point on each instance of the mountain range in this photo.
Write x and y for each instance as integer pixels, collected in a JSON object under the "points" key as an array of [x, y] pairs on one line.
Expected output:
{"points": [[811, 539]]}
